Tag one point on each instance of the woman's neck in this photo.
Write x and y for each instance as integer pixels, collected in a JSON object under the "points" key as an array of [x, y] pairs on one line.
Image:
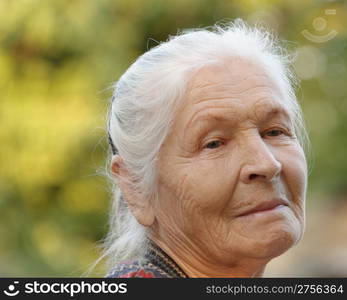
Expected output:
{"points": [[195, 265]]}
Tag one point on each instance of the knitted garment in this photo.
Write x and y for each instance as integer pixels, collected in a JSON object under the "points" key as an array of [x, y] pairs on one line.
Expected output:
{"points": [[156, 264]]}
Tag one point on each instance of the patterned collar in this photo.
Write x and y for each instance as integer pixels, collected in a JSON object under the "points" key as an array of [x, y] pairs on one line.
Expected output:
{"points": [[156, 264], [160, 259]]}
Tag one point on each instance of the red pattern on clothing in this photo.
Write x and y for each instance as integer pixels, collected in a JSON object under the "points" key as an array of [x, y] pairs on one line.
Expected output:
{"points": [[140, 273]]}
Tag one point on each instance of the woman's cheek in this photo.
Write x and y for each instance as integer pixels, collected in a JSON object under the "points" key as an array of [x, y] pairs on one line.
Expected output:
{"points": [[212, 183], [294, 169], [297, 170]]}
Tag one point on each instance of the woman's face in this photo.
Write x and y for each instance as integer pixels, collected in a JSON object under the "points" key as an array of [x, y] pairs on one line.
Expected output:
{"points": [[232, 175]]}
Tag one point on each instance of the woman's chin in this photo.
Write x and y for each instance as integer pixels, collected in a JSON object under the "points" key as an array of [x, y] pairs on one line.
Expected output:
{"points": [[269, 235], [266, 242], [274, 243]]}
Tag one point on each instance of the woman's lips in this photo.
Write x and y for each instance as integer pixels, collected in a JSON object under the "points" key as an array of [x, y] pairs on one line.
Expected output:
{"points": [[266, 206]]}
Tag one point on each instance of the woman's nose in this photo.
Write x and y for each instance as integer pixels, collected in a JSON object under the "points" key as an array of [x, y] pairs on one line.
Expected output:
{"points": [[259, 163]]}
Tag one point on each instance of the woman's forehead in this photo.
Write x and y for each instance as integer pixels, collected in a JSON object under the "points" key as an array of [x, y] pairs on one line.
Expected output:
{"points": [[236, 77], [236, 87]]}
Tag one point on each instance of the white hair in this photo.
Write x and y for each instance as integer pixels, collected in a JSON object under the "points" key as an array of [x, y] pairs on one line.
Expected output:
{"points": [[145, 100]]}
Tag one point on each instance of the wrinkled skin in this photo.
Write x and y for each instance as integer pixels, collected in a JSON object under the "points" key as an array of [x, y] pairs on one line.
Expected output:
{"points": [[231, 147]]}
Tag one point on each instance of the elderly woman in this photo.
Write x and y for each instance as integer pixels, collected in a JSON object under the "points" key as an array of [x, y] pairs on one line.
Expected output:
{"points": [[207, 136]]}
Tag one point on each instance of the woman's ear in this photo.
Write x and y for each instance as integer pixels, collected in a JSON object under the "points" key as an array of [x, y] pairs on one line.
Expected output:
{"points": [[140, 207]]}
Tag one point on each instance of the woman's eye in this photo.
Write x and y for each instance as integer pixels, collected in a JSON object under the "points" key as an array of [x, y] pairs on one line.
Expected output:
{"points": [[275, 132], [213, 144]]}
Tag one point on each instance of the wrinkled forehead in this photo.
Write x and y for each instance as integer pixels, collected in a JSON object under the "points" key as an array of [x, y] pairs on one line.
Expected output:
{"points": [[239, 79]]}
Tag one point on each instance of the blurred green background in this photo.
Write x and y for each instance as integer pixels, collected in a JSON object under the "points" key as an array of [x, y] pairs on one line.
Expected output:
{"points": [[58, 59]]}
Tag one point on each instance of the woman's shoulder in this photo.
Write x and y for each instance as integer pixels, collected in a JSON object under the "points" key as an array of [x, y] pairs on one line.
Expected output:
{"points": [[137, 269]]}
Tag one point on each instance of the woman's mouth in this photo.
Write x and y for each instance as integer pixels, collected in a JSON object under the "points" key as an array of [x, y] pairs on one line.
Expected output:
{"points": [[265, 207]]}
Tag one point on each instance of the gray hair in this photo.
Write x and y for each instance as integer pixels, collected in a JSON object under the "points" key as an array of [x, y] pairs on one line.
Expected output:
{"points": [[145, 100]]}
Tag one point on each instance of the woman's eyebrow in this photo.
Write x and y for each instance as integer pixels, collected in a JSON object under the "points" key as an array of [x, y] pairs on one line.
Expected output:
{"points": [[276, 111], [203, 121], [204, 115], [263, 115]]}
